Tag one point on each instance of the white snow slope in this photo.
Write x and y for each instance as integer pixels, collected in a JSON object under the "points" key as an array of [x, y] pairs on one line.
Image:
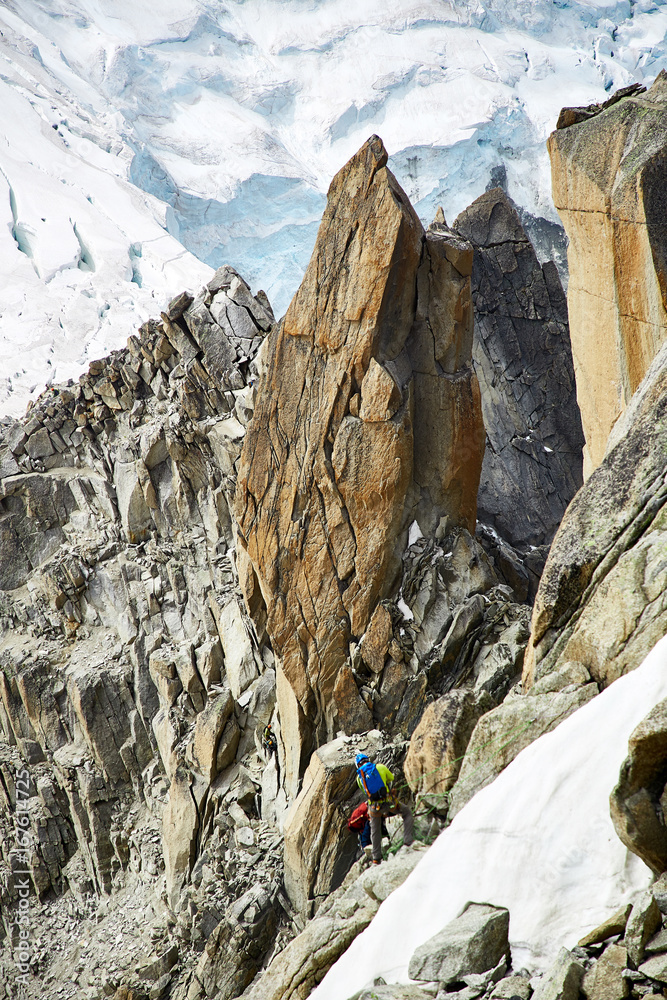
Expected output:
{"points": [[538, 840], [128, 126]]}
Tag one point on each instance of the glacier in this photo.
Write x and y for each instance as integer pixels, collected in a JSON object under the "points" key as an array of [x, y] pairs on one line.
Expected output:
{"points": [[142, 145], [539, 840]]}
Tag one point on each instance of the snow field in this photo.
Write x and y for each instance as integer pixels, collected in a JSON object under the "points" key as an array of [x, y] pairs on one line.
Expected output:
{"points": [[539, 840]]}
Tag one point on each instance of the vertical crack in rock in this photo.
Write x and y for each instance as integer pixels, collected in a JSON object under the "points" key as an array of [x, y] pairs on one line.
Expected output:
{"points": [[367, 417], [609, 172]]}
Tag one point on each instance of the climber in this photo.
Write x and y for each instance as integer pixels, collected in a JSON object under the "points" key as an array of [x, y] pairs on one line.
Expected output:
{"points": [[382, 801], [360, 824], [269, 741]]}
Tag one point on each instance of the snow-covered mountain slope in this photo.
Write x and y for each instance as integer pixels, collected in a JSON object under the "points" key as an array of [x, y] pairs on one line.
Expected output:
{"points": [[539, 840], [221, 124]]}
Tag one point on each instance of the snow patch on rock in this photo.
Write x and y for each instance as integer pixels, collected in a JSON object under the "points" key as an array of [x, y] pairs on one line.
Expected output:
{"points": [[539, 841]]}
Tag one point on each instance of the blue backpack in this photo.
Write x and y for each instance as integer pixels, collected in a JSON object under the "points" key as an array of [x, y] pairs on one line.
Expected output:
{"points": [[372, 782]]}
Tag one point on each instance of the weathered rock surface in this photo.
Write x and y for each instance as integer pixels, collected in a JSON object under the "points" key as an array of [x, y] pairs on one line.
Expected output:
{"points": [[608, 177], [602, 599], [440, 740], [533, 458], [367, 417], [319, 849], [637, 801], [501, 734], [563, 980], [605, 980], [472, 943], [616, 924], [307, 958], [132, 683], [643, 922]]}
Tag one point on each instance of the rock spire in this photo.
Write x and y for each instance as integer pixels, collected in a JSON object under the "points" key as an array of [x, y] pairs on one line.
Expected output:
{"points": [[368, 417]]}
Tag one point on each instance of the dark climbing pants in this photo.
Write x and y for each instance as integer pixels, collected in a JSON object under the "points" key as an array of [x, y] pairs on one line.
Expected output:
{"points": [[376, 812]]}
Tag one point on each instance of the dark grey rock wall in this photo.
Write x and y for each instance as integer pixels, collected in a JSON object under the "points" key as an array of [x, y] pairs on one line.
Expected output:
{"points": [[523, 359]]}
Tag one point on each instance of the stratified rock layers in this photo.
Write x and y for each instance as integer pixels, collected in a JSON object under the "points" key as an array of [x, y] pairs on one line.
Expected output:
{"points": [[523, 359], [609, 175], [368, 416]]}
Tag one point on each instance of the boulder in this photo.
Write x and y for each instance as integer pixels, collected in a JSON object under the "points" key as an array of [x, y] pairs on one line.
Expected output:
{"points": [[659, 892], [643, 922], [657, 944], [501, 734], [515, 985], [636, 802], [439, 742], [472, 943], [239, 662], [563, 979], [319, 848], [367, 416], [655, 968], [602, 599], [354, 715], [605, 980], [179, 829], [615, 925], [376, 639], [213, 748], [608, 179], [523, 359]]}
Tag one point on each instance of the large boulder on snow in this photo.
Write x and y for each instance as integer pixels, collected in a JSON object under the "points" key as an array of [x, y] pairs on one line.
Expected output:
{"points": [[474, 942], [522, 355], [602, 599], [638, 799]]}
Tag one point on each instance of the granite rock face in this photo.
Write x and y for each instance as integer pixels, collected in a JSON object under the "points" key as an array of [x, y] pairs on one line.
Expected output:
{"points": [[319, 849], [368, 417], [602, 599], [608, 177], [132, 682], [523, 359]]}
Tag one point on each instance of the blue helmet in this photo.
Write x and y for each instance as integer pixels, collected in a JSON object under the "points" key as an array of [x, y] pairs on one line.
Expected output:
{"points": [[361, 758]]}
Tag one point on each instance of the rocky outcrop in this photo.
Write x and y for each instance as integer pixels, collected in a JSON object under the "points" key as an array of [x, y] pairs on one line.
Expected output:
{"points": [[501, 734], [296, 971], [522, 356], [637, 802], [608, 176], [440, 740], [602, 600], [132, 681], [319, 849], [473, 943], [368, 417]]}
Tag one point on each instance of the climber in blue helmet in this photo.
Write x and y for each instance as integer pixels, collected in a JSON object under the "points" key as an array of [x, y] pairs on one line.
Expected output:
{"points": [[375, 780]]}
